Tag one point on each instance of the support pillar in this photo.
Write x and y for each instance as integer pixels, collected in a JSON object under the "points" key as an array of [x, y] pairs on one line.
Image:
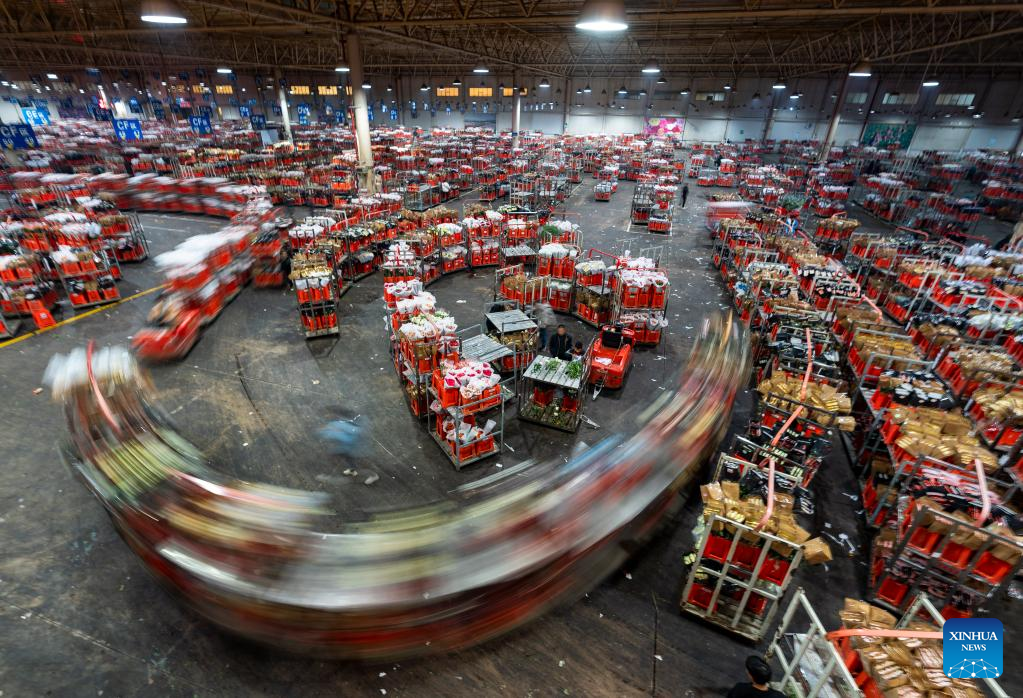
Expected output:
{"points": [[835, 118], [516, 111], [768, 120], [282, 100], [359, 109], [1017, 148], [564, 106], [869, 108]]}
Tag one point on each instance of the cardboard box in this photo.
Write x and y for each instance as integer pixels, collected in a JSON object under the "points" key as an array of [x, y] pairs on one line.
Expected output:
{"points": [[816, 551]]}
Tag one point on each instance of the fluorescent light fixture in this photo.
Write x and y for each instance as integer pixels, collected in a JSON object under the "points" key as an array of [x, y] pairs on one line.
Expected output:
{"points": [[456, 82], [860, 70], [342, 69], [587, 89], [366, 84], [424, 87], [651, 68], [929, 82], [622, 90], [642, 93], [481, 69], [224, 71], [545, 83], [662, 81], [728, 88], [578, 91], [685, 91], [602, 16], [972, 107], [390, 89], [51, 76], [794, 95], [162, 12], [779, 84]]}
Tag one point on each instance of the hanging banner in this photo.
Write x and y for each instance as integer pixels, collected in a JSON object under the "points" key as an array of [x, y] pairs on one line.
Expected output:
{"points": [[369, 111], [244, 112], [891, 136], [663, 126], [17, 137], [34, 116], [258, 121], [134, 106], [128, 129], [339, 117], [200, 125], [394, 114]]}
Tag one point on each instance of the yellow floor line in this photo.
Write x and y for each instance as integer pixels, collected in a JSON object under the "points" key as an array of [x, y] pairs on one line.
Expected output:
{"points": [[76, 318]]}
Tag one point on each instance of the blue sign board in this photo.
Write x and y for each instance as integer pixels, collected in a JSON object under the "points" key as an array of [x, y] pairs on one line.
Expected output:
{"points": [[41, 104], [36, 117], [128, 129], [134, 106], [244, 111], [200, 125], [158, 111], [205, 111], [17, 137], [258, 122], [339, 117]]}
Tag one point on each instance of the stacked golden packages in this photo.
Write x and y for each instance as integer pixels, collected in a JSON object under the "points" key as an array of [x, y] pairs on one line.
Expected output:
{"points": [[852, 316], [830, 406], [1000, 406], [939, 521], [902, 668], [886, 345], [935, 433], [722, 498], [938, 334], [976, 360]]}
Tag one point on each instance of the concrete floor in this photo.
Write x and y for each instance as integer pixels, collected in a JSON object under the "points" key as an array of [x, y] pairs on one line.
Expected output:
{"points": [[80, 616]]}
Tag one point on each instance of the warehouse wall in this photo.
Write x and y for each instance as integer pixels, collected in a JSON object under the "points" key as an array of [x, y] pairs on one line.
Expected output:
{"points": [[741, 115]]}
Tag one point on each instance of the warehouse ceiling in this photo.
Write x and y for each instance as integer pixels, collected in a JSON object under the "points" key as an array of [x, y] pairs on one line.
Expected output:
{"points": [[534, 37]]}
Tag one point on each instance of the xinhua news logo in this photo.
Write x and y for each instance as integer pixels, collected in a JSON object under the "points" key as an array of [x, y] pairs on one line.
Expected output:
{"points": [[972, 648]]}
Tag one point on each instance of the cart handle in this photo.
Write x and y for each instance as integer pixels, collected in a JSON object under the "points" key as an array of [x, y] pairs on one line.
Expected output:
{"points": [[100, 398], [770, 469], [868, 632], [985, 496]]}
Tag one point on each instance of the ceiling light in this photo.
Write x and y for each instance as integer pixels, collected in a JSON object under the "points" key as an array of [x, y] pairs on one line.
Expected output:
{"points": [[642, 93], [424, 87], [587, 89], [622, 90], [972, 107], [860, 70], [545, 83], [756, 95], [651, 68], [342, 69], [81, 91], [51, 76], [500, 88], [456, 82], [162, 12], [930, 82], [794, 95], [779, 84], [728, 88], [662, 81], [1015, 120], [602, 16], [366, 84], [977, 116], [685, 91], [389, 89], [481, 69], [224, 71], [578, 91]]}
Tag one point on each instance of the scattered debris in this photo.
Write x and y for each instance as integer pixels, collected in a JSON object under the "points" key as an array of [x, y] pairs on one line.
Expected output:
{"points": [[37, 391], [371, 479]]}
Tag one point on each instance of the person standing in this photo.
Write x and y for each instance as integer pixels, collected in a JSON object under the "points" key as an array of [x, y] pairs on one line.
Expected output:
{"points": [[560, 345], [759, 684], [545, 320], [685, 194]]}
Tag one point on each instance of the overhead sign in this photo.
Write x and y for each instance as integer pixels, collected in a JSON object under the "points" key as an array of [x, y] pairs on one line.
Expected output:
{"points": [[200, 125], [244, 111], [35, 116], [258, 122], [17, 137], [128, 129]]}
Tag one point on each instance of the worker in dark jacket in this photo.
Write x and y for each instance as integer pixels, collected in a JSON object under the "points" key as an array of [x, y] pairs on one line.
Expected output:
{"points": [[560, 344], [685, 194]]}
